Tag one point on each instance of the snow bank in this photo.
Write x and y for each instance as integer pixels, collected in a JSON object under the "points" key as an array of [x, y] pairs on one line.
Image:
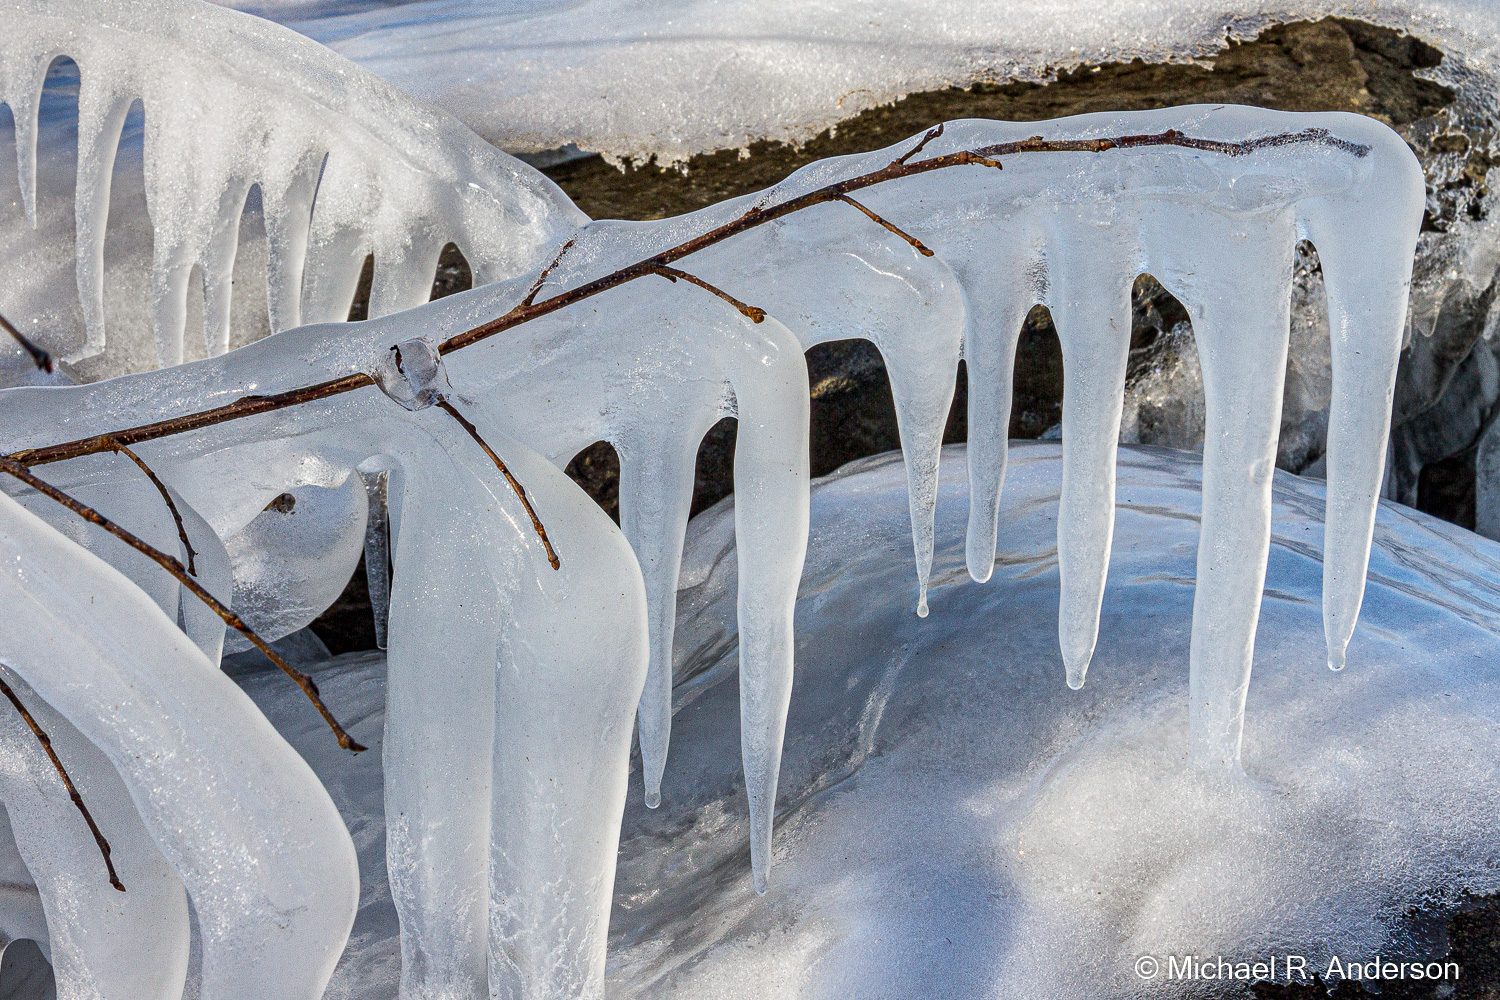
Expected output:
{"points": [[640, 78]]}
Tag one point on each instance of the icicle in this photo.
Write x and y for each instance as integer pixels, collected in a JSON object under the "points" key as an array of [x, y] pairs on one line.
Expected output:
{"points": [[656, 494], [404, 279], [24, 76], [102, 943], [101, 119], [1364, 237], [1089, 297], [331, 274], [288, 212], [216, 261], [378, 551], [1235, 277], [565, 698]]}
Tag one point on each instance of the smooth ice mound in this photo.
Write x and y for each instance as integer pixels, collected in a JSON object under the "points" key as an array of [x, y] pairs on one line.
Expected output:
{"points": [[955, 822]]}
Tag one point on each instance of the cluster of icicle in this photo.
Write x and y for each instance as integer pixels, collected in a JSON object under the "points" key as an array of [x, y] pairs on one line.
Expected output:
{"points": [[513, 684], [347, 165]]}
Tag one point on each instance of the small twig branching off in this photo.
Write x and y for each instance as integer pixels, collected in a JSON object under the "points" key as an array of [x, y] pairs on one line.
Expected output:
{"points": [[62, 772], [161, 487], [932, 134], [541, 279], [39, 357], [754, 313], [515, 484], [173, 566], [916, 244]]}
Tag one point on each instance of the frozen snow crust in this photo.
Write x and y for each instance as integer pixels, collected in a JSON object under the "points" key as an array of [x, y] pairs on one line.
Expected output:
{"points": [[955, 822], [636, 79]]}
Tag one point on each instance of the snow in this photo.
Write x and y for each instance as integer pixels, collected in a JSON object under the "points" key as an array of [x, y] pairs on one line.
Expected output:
{"points": [[955, 822], [636, 79]]}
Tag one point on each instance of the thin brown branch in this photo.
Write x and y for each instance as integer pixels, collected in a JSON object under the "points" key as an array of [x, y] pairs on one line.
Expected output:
{"points": [[932, 134], [515, 484], [161, 487], [175, 567], [916, 244], [39, 357], [541, 279], [62, 772], [754, 313], [245, 406]]}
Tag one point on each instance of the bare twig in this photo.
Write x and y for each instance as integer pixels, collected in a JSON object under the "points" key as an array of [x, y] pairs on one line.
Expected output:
{"points": [[245, 406], [62, 772], [754, 313], [39, 357], [175, 567], [916, 244], [161, 487], [515, 484], [541, 279], [932, 134]]}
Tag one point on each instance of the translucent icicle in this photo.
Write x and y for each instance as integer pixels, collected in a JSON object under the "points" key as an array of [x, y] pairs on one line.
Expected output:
{"points": [[656, 495], [1090, 301], [378, 551], [1238, 293], [1363, 237]]}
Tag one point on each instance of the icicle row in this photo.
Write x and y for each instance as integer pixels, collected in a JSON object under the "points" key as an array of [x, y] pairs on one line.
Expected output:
{"points": [[233, 101]]}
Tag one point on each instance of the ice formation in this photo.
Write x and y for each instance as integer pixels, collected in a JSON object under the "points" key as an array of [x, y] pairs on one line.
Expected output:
{"points": [[499, 654], [345, 165], [1124, 210]]}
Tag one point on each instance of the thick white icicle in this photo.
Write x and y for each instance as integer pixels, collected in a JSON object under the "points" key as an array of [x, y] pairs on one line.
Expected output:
{"points": [[102, 942], [1090, 300], [1363, 237], [209, 776], [1242, 352], [101, 119]]}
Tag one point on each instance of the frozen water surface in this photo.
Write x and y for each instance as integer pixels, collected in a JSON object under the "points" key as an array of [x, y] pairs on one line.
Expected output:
{"points": [[955, 822]]}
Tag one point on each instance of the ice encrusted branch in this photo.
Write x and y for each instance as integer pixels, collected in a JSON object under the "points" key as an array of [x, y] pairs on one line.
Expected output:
{"points": [[67, 780], [528, 309], [180, 572]]}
